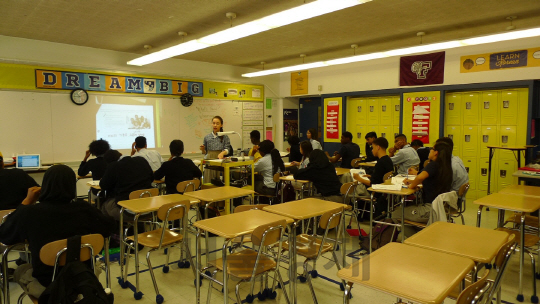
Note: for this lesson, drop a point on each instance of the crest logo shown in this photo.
(421, 68)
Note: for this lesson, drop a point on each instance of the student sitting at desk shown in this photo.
(407, 156)
(323, 175)
(14, 185)
(312, 136)
(270, 164)
(436, 179)
(383, 166)
(294, 151)
(347, 153)
(255, 137)
(57, 216)
(124, 175)
(177, 169)
(370, 137)
(96, 165)
(305, 148)
(138, 149)
(423, 152)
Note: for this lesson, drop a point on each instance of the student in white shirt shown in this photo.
(312, 135)
(138, 149)
(270, 164)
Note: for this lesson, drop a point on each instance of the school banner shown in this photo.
(332, 119)
(421, 116)
(299, 83)
(502, 60)
(422, 69)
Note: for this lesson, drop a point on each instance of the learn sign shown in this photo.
(501, 60)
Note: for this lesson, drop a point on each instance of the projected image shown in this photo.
(120, 124)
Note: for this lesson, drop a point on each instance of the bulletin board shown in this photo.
(422, 116)
(333, 119)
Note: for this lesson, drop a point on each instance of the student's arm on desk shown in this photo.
(417, 181)
(303, 174)
(364, 181)
(335, 158)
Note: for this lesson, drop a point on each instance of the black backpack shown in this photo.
(289, 194)
(76, 282)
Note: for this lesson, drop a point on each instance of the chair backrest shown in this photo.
(188, 186)
(474, 293)
(243, 208)
(49, 252)
(4, 214)
(346, 188)
(173, 211)
(277, 176)
(356, 161)
(144, 193)
(501, 261)
(462, 192)
(268, 234)
(331, 219)
(388, 176)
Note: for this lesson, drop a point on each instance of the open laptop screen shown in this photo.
(28, 161)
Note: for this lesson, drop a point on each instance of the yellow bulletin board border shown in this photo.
(299, 83)
(524, 58)
(340, 119)
(434, 99)
(23, 77)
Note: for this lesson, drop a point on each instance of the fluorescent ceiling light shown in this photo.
(293, 15)
(534, 32)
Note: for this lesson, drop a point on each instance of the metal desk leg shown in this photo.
(198, 266)
(538, 252)
(292, 262)
(107, 263)
(402, 219)
(225, 275)
(491, 152)
(370, 222)
(479, 216)
(521, 257)
(346, 293)
(227, 182)
(136, 246)
(122, 249)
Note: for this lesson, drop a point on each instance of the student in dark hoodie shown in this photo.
(177, 169)
(96, 165)
(323, 175)
(57, 216)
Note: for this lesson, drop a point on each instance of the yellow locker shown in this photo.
(489, 107)
(373, 129)
(373, 112)
(396, 111)
(396, 132)
(504, 174)
(471, 196)
(507, 138)
(482, 171)
(385, 107)
(452, 109)
(470, 141)
(470, 108)
(488, 137)
(386, 132)
(361, 111)
(509, 108)
(471, 166)
(454, 132)
(351, 114)
(361, 132)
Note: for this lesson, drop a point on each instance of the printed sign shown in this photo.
(420, 121)
(502, 60)
(290, 123)
(299, 83)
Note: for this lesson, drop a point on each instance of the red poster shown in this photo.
(420, 121)
(332, 120)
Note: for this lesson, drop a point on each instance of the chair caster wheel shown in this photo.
(534, 299)
(349, 227)
(208, 273)
(137, 295)
(278, 285)
(195, 282)
(250, 298)
(302, 279)
(261, 296)
(488, 266)
(187, 264)
(159, 299)
(314, 274)
(341, 286)
(166, 250)
(520, 298)
(538, 276)
(272, 295)
(181, 264)
(123, 284)
(165, 269)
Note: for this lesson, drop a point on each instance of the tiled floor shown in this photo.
(177, 285)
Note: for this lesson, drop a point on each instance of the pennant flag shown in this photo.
(422, 69)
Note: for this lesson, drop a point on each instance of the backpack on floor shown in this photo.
(289, 194)
(76, 282)
(382, 235)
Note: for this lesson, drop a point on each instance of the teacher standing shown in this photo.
(215, 146)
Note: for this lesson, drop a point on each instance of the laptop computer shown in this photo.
(29, 161)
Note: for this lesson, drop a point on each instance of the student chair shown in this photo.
(348, 192)
(239, 241)
(54, 254)
(355, 163)
(188, 186)
(312, 247)
(164, 237)
(275, 196)
(248, 264)
(144, 193)
(455, 213)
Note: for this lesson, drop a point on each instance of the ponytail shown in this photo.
(277, 162)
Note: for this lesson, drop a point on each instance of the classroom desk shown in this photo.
(302, 210)
(139, 206)
(523, 176)
(492, 152)
(512, 202)
(227, 165)
(229, 226)
(478, 244)
(342, 171)
(404, 192)
(522, 190)
(220, 194)
(408, 272)
(368, 164)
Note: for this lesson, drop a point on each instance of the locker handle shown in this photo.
(502, 173)
(371, 108)
(383, 108)
(485, 138)
(486, 104)
(504, 139)
(484, 171)
(359, 109)
(450, 106)
(506, 104)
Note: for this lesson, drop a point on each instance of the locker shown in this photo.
(396, 111)
(387, 132)
(507, 138)
(454, 132)
(453, 109)
(385, 110)
(482, 171)
(470, 141)
(360, 135)
(504, 174)
(470, 108)
(351, 114)
(509, 108)
(471, 164)
(471, 196)
(396, 131)
(489, 107)
(373, 112)
(488, 137)
(361, 111)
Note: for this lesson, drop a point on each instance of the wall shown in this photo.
(384, 73)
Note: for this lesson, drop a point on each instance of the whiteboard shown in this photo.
(51, 125)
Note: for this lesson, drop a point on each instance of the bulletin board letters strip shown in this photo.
(501, 60)
(47, 79)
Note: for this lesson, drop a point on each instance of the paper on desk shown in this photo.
(283, 154)
(393, 187)
(359, 171)
(289, 177)
(93, 183)
(287, 164)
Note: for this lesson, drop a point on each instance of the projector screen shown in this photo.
(120, 124)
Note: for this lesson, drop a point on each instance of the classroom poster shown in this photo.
(501, 60)
(290, 123)
(332, 119)
(422, 116)
(299, 83)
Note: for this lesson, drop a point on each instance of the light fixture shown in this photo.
(511, 26)
(534, 32)
(293, 15)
